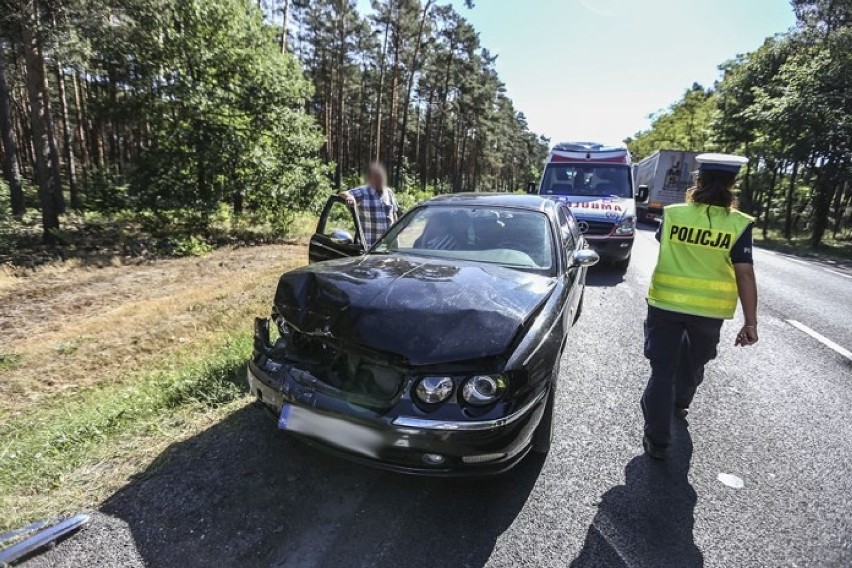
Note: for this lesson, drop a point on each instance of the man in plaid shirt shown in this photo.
(376, 204)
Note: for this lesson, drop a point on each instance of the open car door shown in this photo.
(338, 233)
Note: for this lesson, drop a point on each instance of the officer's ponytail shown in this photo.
(713, 188)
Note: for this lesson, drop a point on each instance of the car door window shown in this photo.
(340, 224)
(568, 228)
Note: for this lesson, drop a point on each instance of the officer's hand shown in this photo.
(747, 336)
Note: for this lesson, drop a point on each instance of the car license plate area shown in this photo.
(331, 430)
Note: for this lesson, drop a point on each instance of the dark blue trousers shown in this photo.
(678, 346)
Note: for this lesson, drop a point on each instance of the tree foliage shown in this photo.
(683, 126)
(410, 85)
(177, 110)
(788, 107)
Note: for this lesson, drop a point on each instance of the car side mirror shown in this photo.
(342, 237)
(642, 193)
(531, 188)
(585, 257)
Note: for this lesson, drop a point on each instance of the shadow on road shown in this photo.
(649, 520)
(244, 494)
(604, 275)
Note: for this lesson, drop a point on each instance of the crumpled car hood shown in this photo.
(428, 311)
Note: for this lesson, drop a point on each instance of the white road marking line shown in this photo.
(804, 263)
(821, 338)
(838, 273)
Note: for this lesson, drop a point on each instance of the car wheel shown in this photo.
(543, 435)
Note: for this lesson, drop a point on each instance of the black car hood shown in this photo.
(427, 311)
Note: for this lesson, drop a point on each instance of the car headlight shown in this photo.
(626, 227)
(480, 390)
(433, 390)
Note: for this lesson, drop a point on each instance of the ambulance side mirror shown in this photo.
(642, 194)
(531, 188)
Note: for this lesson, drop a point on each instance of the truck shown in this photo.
(666, 174)
(595, 182)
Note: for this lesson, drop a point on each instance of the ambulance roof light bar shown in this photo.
(586, 147)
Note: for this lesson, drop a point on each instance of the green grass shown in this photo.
(9, 361)
(836, 250)
(41, 452)
(98, 238)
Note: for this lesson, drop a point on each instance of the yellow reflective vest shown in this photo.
(694, 273)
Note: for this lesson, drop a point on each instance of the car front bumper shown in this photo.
(611, 248)
(398, 443)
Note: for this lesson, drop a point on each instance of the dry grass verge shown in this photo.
(100, 369)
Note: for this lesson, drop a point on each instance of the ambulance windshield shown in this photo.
(591, 180)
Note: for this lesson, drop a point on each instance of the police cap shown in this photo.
(720, 163)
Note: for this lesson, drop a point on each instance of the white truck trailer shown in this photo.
(667, 174)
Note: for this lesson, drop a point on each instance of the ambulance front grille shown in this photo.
(597, 228)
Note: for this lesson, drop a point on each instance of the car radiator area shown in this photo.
(327, 365)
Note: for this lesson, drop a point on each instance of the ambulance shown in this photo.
(596, 182)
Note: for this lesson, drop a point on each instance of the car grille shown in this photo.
(369, 378)
(597, 228)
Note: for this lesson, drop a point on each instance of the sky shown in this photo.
(595, 69)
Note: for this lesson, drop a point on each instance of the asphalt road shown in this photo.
(776, 416)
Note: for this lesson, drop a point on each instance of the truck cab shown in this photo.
(596, 183)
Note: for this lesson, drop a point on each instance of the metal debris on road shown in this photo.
(44, 537)
(731, 480)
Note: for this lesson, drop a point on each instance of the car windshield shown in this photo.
(498, 235)
(587, 180)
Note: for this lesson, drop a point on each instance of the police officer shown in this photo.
(704, 264)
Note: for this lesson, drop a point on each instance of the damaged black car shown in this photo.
(437, 350)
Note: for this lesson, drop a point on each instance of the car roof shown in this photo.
(532, 202)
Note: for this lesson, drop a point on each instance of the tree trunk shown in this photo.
(408, 89)
(394, 96)
(67, 140)
(823, 191)
(769, 194)
(81, 131)
(23, 134)
(50, 130)
(35, 82)
(378, 140)
(341, 89)
(427, 142)
(847, 208)
(286, 17)
(362, 112)
(746, 201)
(788, 205)
(838, 211)
(11, 170)
(448, 70)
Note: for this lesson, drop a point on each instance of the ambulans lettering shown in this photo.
(708, 238)
(602, 205)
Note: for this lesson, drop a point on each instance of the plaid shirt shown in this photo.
(376, 211)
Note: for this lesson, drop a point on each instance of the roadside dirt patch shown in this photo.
(63, 328)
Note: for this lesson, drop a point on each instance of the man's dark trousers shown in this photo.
(678, 346)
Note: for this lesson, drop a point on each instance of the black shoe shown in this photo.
(654, 451)
(681, 413)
